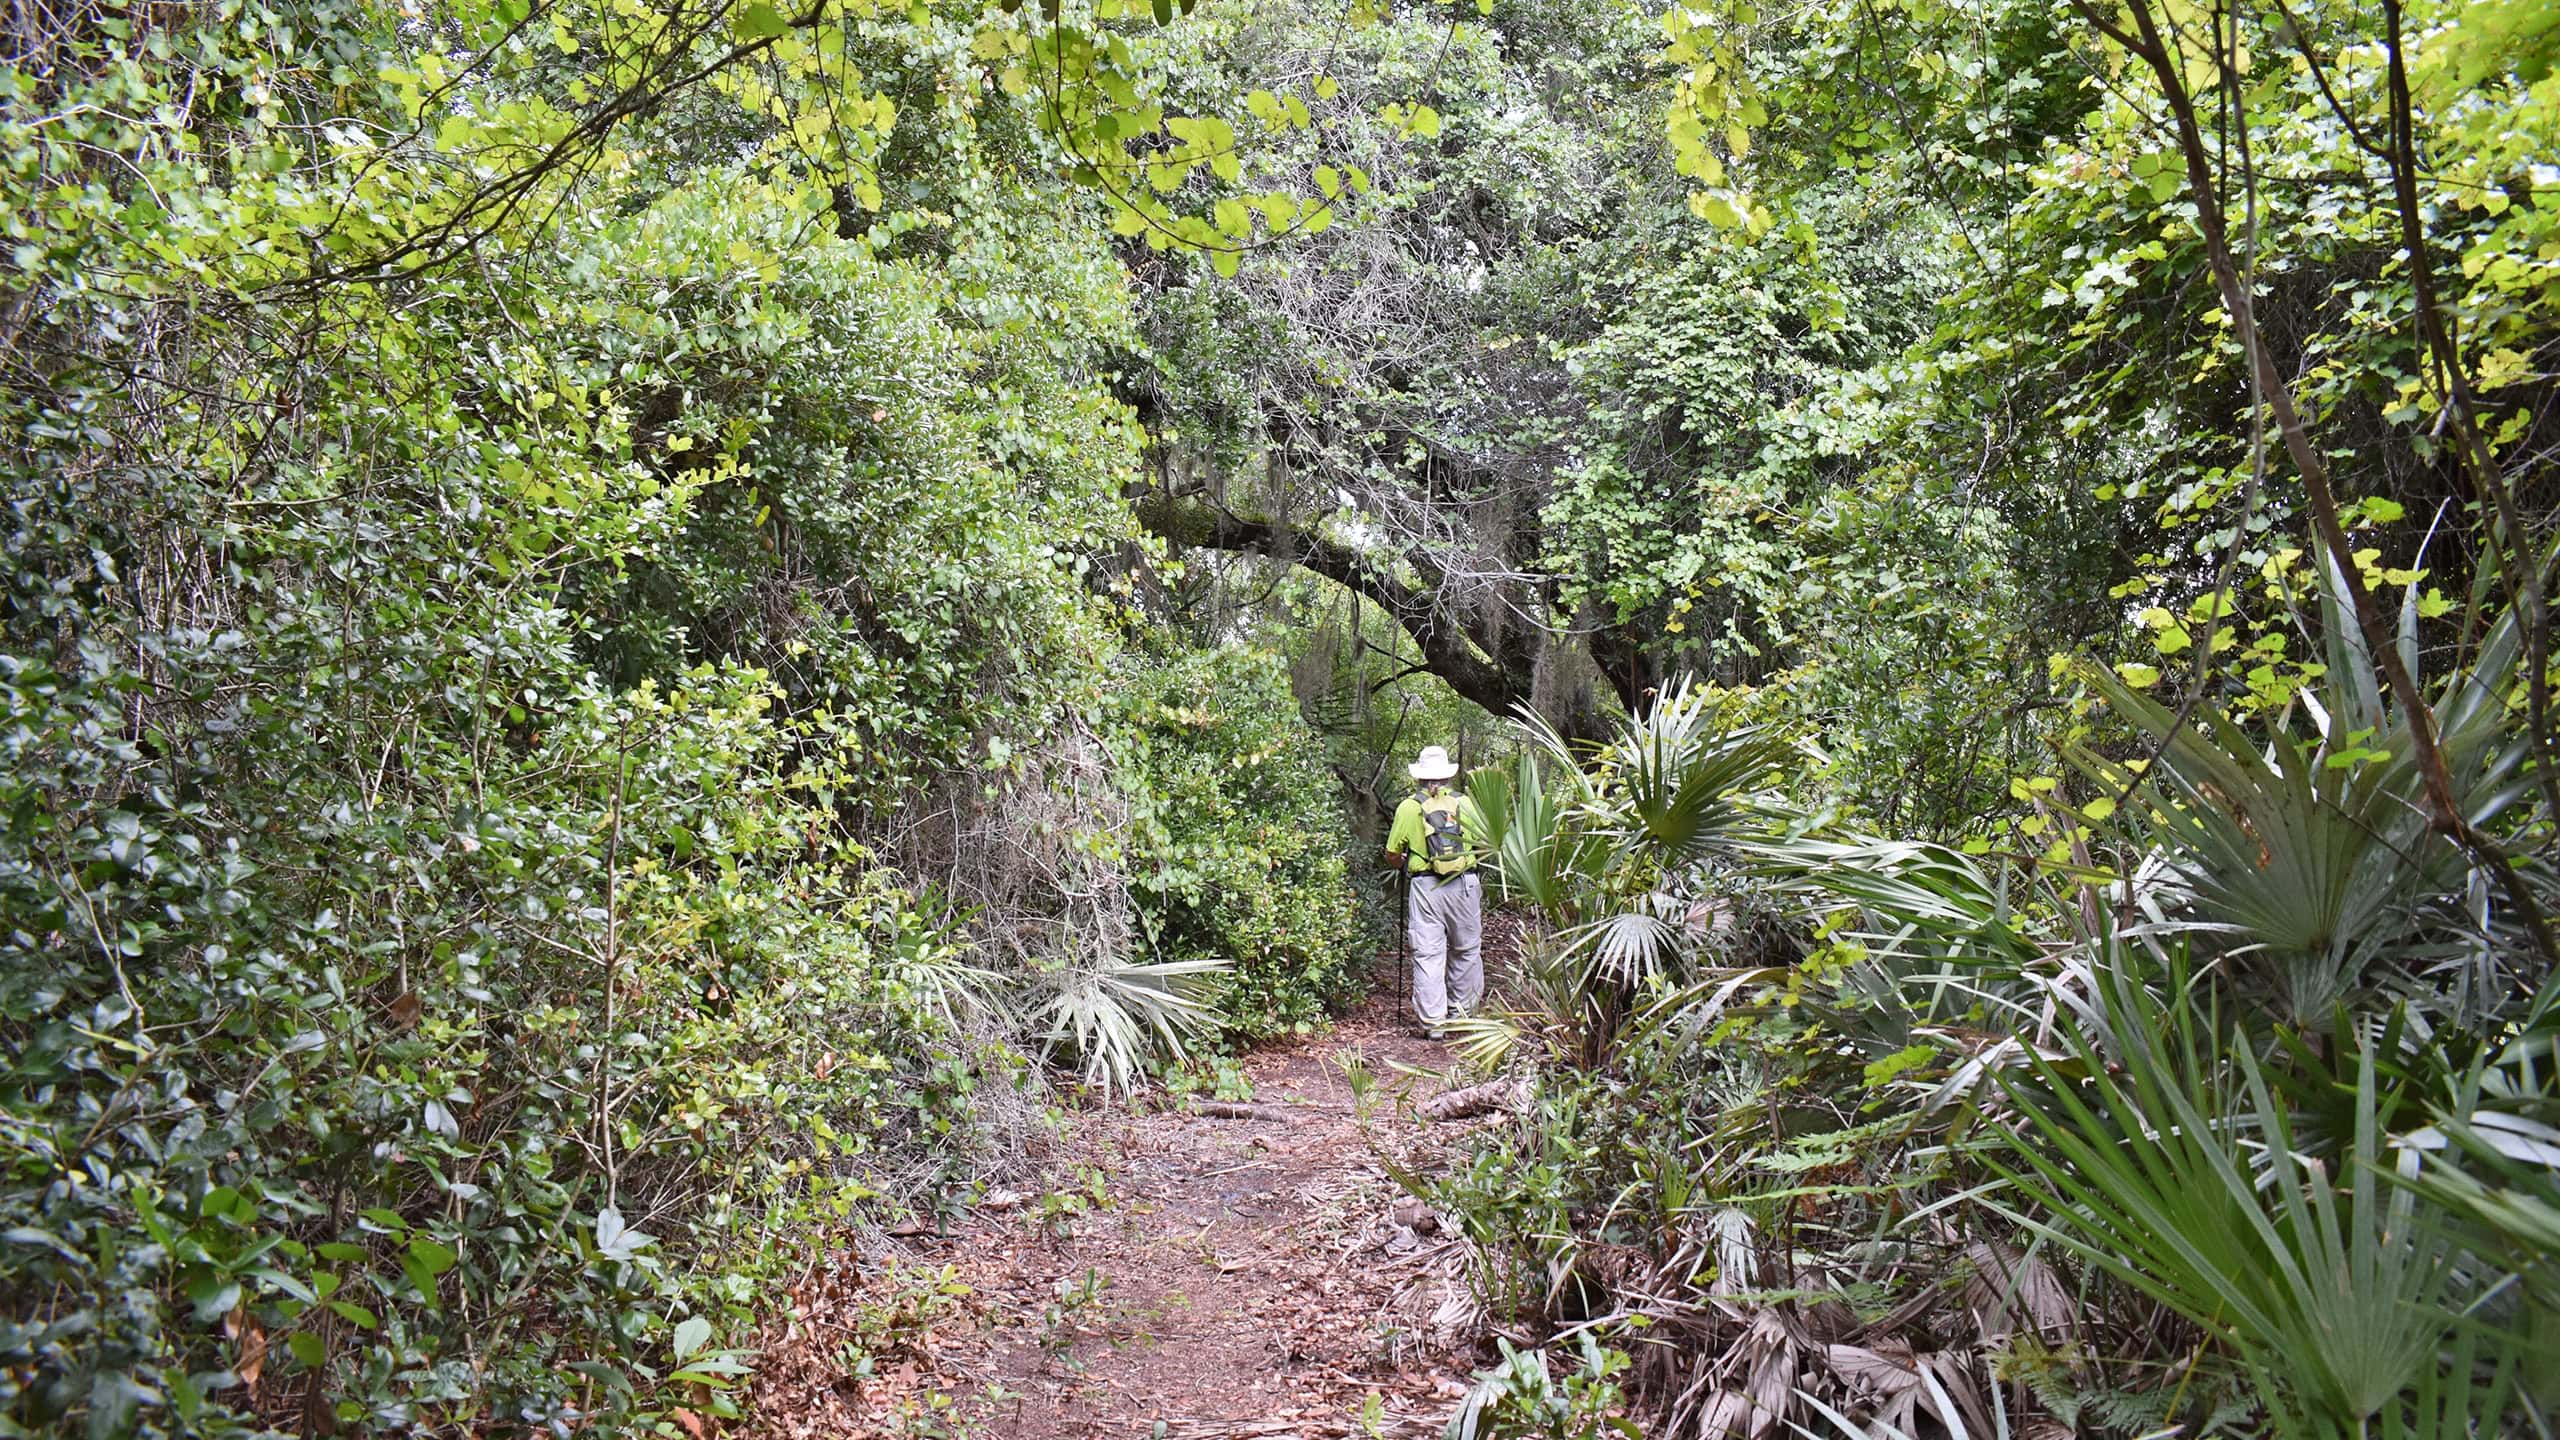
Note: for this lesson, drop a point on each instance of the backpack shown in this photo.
(1444, 840)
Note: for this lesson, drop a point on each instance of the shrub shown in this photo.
(450, 1097)
(403, 1025)
(1235, 836)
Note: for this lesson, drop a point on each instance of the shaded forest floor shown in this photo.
(1188, 1274)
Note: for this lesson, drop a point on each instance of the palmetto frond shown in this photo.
(1613, 846)
(931, 958)
(1110, 1017)
(1534, 857)
(1680, 773)
(2177, 1172)
(1628, 947)
(2315, 854)
(1921, 901)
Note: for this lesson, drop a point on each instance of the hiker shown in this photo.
(1443, 898)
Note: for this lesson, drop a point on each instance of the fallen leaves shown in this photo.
(251, 1360)
(1243, 1285)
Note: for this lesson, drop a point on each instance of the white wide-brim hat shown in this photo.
(1435, 764)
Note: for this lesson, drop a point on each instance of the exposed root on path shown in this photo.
(1238, 1278)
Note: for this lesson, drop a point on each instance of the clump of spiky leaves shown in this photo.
(1534, 859)
(2313, 859)
(1615, 848)
(1111, 1017)
(2162, 1061)
(2490, 1162)
(2168, 1161)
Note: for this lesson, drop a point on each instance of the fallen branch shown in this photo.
(1229, 1110)
(1512, 1095)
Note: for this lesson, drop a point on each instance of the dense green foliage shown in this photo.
(2049, 437)
(487, 677)
(1812, 1101)
(624, 624)
(1241, 835)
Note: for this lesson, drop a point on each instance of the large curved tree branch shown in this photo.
(1496, 677)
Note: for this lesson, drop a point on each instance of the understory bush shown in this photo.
(483, 1095)
(1236, 836)
(406, 1027)
(459, 728)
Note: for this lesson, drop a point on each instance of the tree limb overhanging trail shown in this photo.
(1401, 448)
(1489, 653)
(1495, 672)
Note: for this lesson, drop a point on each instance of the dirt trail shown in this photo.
(1240, 1277)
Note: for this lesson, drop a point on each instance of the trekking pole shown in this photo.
(1404, 934)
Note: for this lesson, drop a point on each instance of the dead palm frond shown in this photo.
(1111, 1017)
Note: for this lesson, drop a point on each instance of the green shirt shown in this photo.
(1405, 838)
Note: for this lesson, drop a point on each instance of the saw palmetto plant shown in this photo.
(2161, 1067)
(1110, 1018)
(2311, 856)
(1613, 849)
(2171, 1165)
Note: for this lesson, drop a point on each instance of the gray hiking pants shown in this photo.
(1444, 920)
